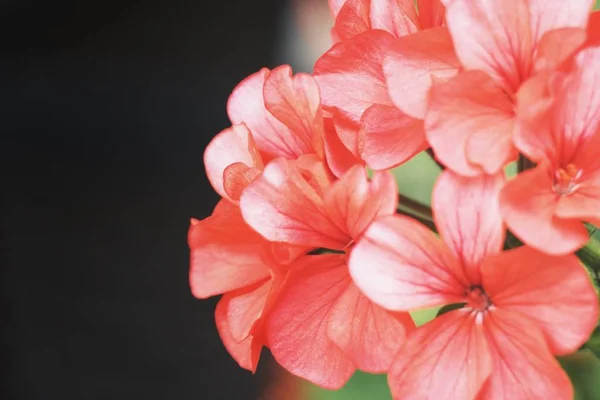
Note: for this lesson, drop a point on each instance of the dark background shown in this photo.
(106, 107)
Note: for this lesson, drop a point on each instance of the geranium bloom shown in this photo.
(520, 307)
(470, 120)
(321, 327)
(544, 206)
(352, 81)
(274, 115)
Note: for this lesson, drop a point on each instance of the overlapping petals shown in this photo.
(478, 347)
(506, 46)
(333, 327)
(561, 132)
(313, 255)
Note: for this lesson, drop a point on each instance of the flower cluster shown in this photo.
(308, 248)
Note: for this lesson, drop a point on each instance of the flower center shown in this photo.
(566, 179)
(477, 299)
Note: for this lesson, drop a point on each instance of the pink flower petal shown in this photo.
(297, 324)
(401, 265)
(350, 74)
(285, 205)
(245, 353)
(247, 105)
(339, 157)
(528, 204)
(295, 101)
(398, 17)
(584, 203)
(354, 202)
(446, 358)
(557, 46)
(389, 137)
(470, 124)
(556, 293)
(220, 260)
(523, 366)
(431, 13)
(412, 63)
(467, 216)
(368, 334)
(593, 29)
(245, 307)
(232, 146)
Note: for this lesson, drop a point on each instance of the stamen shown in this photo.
(477, 299)
(566, 179)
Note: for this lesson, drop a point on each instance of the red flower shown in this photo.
(321, 327)
(470, 120)
(274, 115)
(520, 306)
(560, 132)
(353, 84)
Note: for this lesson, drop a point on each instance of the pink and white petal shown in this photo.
(388, 137)
(295, 102)
(350, 74)
(233, 145)
(445, 359)
(547, 15)
(247, 352)
(297, 324)
(431, 13)
(400, 265)
(469, 124)
(523, 368)
(528, 204)
(353, 202)
(225, 253)
(467, 215)
(285, 205)
(245, 307)
(411, 64)
(246, 105)
(492, 39)
(339, 158)
(577, 105)
(557, 46)
(398, 17)
(555, 293)
(368, 334)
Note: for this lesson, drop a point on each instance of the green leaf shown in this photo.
(583, 368)
(597, 6)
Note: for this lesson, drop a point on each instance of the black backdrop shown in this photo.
(106, 107)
